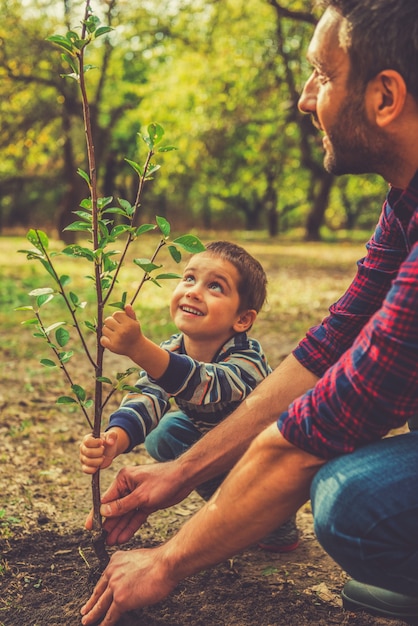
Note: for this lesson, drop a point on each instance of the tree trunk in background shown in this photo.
(320, 203)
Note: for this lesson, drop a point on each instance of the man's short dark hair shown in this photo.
(381, 35)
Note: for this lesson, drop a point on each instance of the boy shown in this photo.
(209, 367)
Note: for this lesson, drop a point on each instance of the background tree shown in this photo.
(223, 78)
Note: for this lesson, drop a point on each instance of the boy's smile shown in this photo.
(205, 304)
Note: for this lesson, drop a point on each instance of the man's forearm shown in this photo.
(219, 450)
(268, 485)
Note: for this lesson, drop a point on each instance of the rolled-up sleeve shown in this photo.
(373, 387)
(324, 344)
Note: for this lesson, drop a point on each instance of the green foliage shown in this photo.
(226, 77)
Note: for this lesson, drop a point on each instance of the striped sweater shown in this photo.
(205, 392)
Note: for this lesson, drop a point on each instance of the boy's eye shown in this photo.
(189, 279)
(216, 287)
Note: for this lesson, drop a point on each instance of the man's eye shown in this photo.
(320, 77)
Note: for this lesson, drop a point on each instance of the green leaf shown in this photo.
(41, 291)
(119, 230)
(73, 76)
(65, 280)
(168, 276)
(104, 379)
(166, 149)
(87, 217)
(104, 202)
(62, 336)
(128, 372)
(68, 59)
(175, 254)
(190, 243)
(163, 225)
(102, 31)
(156, 133)
(126, 206)
(72, 37)
(48, 363)
(74, 298)
(25, 308)
(65, 400)
(151, 170)
(44, 299)
(60, 41)
(66, 356)
(47, 265)
(30, 322)
(92, 23)
(84, 175)
(86, 204)
(90, 326)
(135, 166)
(79, 226)
(79, 251)
(49, 329)
(146, 265)
(144, 228)
(79, 392)
(38, 238)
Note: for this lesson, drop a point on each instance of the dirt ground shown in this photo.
(47, 560)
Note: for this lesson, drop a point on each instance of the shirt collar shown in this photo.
(405, 201)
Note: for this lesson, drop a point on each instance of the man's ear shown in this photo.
(245, 321)
(386, 96)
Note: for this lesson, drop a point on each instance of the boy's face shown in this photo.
(205, 304)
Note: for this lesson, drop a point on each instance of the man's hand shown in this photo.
(137, 492)
(118, 590)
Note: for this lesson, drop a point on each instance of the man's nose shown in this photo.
(307, 100)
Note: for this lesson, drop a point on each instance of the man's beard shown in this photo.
(354, 146)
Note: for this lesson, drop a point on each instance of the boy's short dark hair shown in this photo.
(252, 287)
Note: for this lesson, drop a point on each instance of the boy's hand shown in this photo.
(121, 332)
(98, 452)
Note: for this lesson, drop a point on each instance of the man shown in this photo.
(351, 380)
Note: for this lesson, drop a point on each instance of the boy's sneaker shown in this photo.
(283, 539)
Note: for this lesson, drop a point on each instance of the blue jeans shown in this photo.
(365, 507)
(175, 434)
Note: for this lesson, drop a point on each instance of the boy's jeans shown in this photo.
(175, 434)
(365, 507)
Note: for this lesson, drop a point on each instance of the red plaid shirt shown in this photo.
(366, 350)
